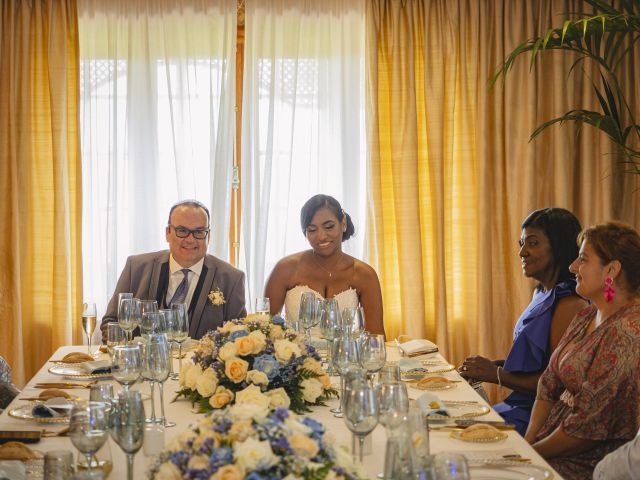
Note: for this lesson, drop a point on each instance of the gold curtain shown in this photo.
(452, 172)
(40, 179)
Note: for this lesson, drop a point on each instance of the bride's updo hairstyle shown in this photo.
(319, 201)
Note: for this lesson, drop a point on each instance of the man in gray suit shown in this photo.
(213, 289)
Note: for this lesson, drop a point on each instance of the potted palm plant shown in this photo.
(607, 36)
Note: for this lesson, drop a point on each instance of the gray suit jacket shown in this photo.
(147, 277)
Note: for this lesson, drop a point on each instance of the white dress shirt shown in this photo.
(176, 276)
(621, 464)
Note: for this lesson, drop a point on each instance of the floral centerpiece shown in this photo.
(253, 442)
(255, 355)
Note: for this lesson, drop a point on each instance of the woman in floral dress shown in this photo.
(587, 401)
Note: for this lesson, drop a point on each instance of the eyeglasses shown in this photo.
(182, 232)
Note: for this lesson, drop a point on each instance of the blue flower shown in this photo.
(277, 320)
(221, 456)
(314, 425)
(238, 334)
(255, 476)
(281, 413)
(268, 365)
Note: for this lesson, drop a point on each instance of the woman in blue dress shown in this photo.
(548, 245)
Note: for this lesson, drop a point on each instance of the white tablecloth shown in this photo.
(181, 413)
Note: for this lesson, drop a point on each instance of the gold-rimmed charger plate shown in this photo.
(76, 374)
(23, 412)
(496, 437)
(491, 470)
(461, 410)
(415, 375)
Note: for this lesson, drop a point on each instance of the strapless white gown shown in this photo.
(346, 298)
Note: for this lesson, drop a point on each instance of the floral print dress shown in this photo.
(593, 378)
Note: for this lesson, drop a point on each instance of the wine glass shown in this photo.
(127, 316)
(329, 323)
(373, 353)
(263, 306)
(89, 428)
(353, 320)
(419, 431)
(307, 314)
(181, 331)
(89, 315)
(361, 411)
(393, 400)
(389, 373)
(344, 357)
(126, 365)
(159, 360)
(450, 466)
(151, 323)
(115, 336)
(127, 425)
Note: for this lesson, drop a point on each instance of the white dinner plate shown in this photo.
(76, 373)
(510, 470)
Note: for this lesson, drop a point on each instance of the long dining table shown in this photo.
(183, 414)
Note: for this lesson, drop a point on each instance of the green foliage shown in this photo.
(318, 473)
(605, 36)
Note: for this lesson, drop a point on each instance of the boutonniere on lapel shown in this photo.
(216, 297)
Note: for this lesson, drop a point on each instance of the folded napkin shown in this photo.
(418, 347)
(431, 405)
(12, 470)
(411, 369)
(99, 366)
(53, 408)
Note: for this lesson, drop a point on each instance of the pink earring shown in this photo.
(609, 291)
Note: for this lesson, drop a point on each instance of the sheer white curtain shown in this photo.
(157, 125)
(303, 124)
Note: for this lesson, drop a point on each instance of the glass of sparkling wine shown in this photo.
(181, 328)
(89, 321)
(262, 305)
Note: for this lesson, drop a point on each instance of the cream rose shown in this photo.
(236, 369)
(276, 332)
(296, 426)
(192, 376)
(237, 328)
(207, 383)
(252, 394)
(198, 462)
(248, 411)
(325, 381)
(285, 350)
(227, 351)
(204, 436)
(206, 346)
(303, 445)
(313, 366)
(221, 398)
(260, 339)
(278, 398)
(228, 472)
(253, 454)
(311, 389)
(168, 471)
(241, 430)
(245, 345)
(182, 379)
(257, 377)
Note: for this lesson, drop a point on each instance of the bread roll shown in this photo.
(479, 431)
(53, 393)
(77, 357)
(16, 451)
(433, 382)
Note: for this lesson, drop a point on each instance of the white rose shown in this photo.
(207, 383)
(192, 376)
(253, 454)
(248, 411)
(278, 398)
(296, 426)
(276, 332)
(285, 350)
(311, 389)
(237, 328)
(182, 380)
(168, 471)
(227, 351)
(257, 377)
(252, 394)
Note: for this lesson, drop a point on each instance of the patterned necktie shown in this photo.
(181, 292)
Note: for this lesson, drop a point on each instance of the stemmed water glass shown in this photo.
(127, 314)
(115, 336)
(159, 360)
(89, 315)
(361, 411)
(344, 356)
(450, 466)
(89, 428)
(307, 314)
(393, 401)
(180, 331)
(353, 320)
(329, 324)
(151, 323)
(373, 353)
(127, 425)
(126, 365)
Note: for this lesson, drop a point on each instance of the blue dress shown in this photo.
(530, 351)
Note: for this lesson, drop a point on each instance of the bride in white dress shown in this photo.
(325, 269)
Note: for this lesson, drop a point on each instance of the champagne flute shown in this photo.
(167, 328)
(329, 323)
(307, 313)
(89, 315)
(373, 353)
(181, 332)
(263, 306)
(361, 411)
(115, 336)
(127, 316)
(127, 425)
(126, 365)
(159, 361)
(147, 376)
(89, 428)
